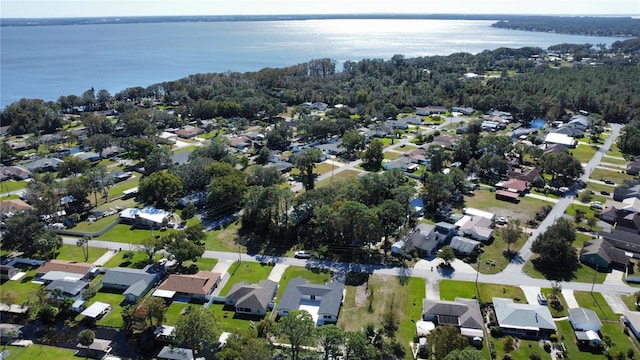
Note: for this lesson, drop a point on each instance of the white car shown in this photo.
(302, 255)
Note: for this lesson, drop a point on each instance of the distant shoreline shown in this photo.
(223, 18)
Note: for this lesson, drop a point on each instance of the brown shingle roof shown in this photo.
(201, 283)
(65, 266)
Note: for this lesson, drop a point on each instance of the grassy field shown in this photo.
(596, 302)
(486, 200)
(250, 272)
(615, 151)
(391, 155)
(173, 313)
(617, 177)
(74, 253)
(402, 295)
(138, 261)
(19, 291)
(492, 260)
(342, 175)
(40, 352)
(582, 274)
(124, 233)
(450, 289)
(584, 153)
(113, 319)
(12, 185)
(223, 239)
(118, 188)
(203, 264)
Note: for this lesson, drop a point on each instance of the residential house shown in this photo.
(188, 132)
(446, 141)
(480, 213)
(631, 168)
(134, 283)
(632, 321)
(398, 124)
(601, 254)
(463, 246)
(282, 166)
(321, 301)
(7, 272)
(429, 110)
(445, 231)
(8, 208)
(424, 238)
(630, 188)
(569, 131)
(463, 314)
(198, 286)
(382, 130)
(98, 349)
(463, 110)
(68, 289)
(586, 326)
(332, 148)
(55, 138)
(175, 353)
(502, 114)
(61, 269)
(623, 240)
(43, 165)
(111, 151)
(148, 216)
(580, 122)
(561, 139)
(88, 156)
(476, 227)
(180, 158)
(517, 186)
(252, 299)
(240, 142)
(553, 148)
(523, 320)
(14, 172)
(526, 175)
(402, 163)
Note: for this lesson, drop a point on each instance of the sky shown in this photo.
(104, 8)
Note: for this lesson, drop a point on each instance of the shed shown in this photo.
(96, 310)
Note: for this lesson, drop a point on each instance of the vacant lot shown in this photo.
(250, 272)
(450, 289)
(486, 200)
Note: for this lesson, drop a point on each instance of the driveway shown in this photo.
(277, 272)
(569, 298)
(531, 293)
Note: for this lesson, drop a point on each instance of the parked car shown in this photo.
(609, 182)
(605, 193)
(301, 254)
(542, 300)
(503, 220)
(596, 205)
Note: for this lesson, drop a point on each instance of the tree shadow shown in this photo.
(554, 271)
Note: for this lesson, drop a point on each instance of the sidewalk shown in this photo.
(222, 268)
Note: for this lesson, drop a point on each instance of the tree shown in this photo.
(181, 247)
(263, 156)
(86, 337)
(47, 243)
(153, 308)
(445, 339)
(160, 188)
(266, 210)
(436, 190)
(99, 142)
(447, 255)
(73, 165)
(226, 190)
(158, 159)
(83, 243)
(97, 180)
(189, 211)
(555, 247)
(331, 339)
(437, 157)
(467, 353)
(392, 215)
(246, 347)
(193, 174)
(306, 161)
(357, 347)
(462, 151)
(21, 232)
(197, 329)
(374, 155)
(263, 175)
(150, 246)
(510, 234)
(352, 140)
(78, 187)
(298, 328)
(562, 164)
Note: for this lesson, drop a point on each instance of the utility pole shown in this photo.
(593, 283)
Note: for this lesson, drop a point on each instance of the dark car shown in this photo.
(609, 182)
(605, 193)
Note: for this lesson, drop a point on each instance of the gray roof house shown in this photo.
(523, 320)
(321, 301)
(135, 283)
(424, 238)
(252, 299)
(584, 319)
(461, 313)
(462, 245)
(69, 289)
(45, 164)
(603, 255)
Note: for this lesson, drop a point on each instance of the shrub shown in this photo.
(534, 357)
(553, 337)
(547, 347)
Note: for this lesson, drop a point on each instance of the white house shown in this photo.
(584, 319)
(562, 139)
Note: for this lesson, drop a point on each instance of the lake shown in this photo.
(48, 61)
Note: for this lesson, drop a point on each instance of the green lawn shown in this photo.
(123, 233)
(596, 302)
(403, 295)
(95, 226)
(292, 272)
(450, 289)
(250, 272)
(615, 151)
(486, 200)
(324, 168)
(19, 291)
(584, 153)
(74, 253)
(612, 330)
(492, 260)
(114, 318)
(223, 239)
(526, 349)
(118, 188)
(556, 312)
(391, 155)
(40, 352)
(617, 177)
(596, 188)
(173, 313)
(630, 301)
(138, 261)
(204, 264)
(342, 175)
(614, 161)
(582, 274)
(12, 185)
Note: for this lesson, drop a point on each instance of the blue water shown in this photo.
(48, 61)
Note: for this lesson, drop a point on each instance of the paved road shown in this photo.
(560, 207)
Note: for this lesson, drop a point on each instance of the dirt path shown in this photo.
(361, 295)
